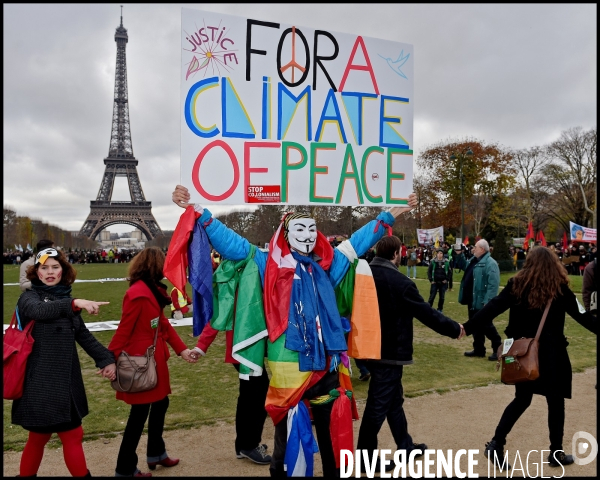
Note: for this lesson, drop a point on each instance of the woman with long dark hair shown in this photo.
(542, 278)
(142, 313)
(54, 399)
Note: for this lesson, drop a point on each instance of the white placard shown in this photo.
(274, 112)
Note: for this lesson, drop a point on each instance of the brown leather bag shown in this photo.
(136, 373)
(521, 362)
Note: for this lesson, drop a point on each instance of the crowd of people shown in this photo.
(285, 305)
(121, 255)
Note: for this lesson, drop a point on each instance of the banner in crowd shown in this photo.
(279, 113)
(431, 236)
(582, 234)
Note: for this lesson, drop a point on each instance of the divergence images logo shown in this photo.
(212, 51)
(588, 446)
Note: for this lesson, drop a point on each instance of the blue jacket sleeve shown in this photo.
(361, 240)
(229, 244)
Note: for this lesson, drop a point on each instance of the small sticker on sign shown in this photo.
(507, 344)
(263, 194)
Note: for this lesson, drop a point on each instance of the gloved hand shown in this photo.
(178, 315)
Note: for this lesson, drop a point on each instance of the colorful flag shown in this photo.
(466, 241)
(279, 275)
(540, 238)
(529, 238)
(565, 241)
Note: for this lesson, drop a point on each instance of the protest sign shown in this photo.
(582, 234)
(279, 113)
(430, 236)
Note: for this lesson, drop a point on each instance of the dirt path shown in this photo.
(457, 420)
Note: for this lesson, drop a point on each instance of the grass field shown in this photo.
(207, 391)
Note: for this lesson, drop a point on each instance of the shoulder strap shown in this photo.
(156, 333)
(539, 331)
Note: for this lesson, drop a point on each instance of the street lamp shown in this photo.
(461, 157)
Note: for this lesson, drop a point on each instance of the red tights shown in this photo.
(72, 441)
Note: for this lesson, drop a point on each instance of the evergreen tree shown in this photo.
(501, 253)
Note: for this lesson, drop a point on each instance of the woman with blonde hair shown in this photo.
(542, 278)
(143, 312)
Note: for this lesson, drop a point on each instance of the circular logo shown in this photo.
(585, 448)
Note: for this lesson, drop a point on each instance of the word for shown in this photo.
(317, 60)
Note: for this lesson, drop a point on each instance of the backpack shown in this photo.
(413, 256)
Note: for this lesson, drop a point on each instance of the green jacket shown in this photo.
(486, 281)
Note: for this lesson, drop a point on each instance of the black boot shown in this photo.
(558, 458)
(495, 453)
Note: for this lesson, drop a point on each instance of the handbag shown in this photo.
(136, 373)
(18, 344)
(521, 362)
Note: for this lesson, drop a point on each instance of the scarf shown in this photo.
(159, 290)
(279, 276)
(57, 291)
(314, 326)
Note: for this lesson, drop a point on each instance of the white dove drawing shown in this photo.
(395, 65)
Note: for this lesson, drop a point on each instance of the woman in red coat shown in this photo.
(143, 312)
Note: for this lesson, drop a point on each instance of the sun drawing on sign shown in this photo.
(208, 57)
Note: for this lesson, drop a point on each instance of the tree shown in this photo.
(489, 176)
(501, 253)
(575, 151)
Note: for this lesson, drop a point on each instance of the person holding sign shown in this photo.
(306, 338)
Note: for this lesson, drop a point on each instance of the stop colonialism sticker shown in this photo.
(263, 194)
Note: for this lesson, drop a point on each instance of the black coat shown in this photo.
(53, 375)
(555, 366)
(399, 302)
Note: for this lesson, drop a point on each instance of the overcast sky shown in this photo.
(516, 75)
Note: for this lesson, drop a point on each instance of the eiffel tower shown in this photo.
(120, 163)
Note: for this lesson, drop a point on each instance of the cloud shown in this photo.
(513, 74)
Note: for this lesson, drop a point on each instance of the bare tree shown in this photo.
(576, 150)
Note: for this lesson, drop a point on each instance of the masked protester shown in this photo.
(287, 294)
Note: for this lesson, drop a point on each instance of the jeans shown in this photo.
(414, 267)
(435, 288)
(516, 408)
(156, 451)
(384, 401)
(250, 414)
(479, 337)
(362, 367)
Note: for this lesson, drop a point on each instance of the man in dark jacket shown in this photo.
(438, 275)
(399, 301)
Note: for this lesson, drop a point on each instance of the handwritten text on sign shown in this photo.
(280, 113)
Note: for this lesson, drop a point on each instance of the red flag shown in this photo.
(565, 241)
(176, 262)
(540, 238)
(530, 237)
(466, 240)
